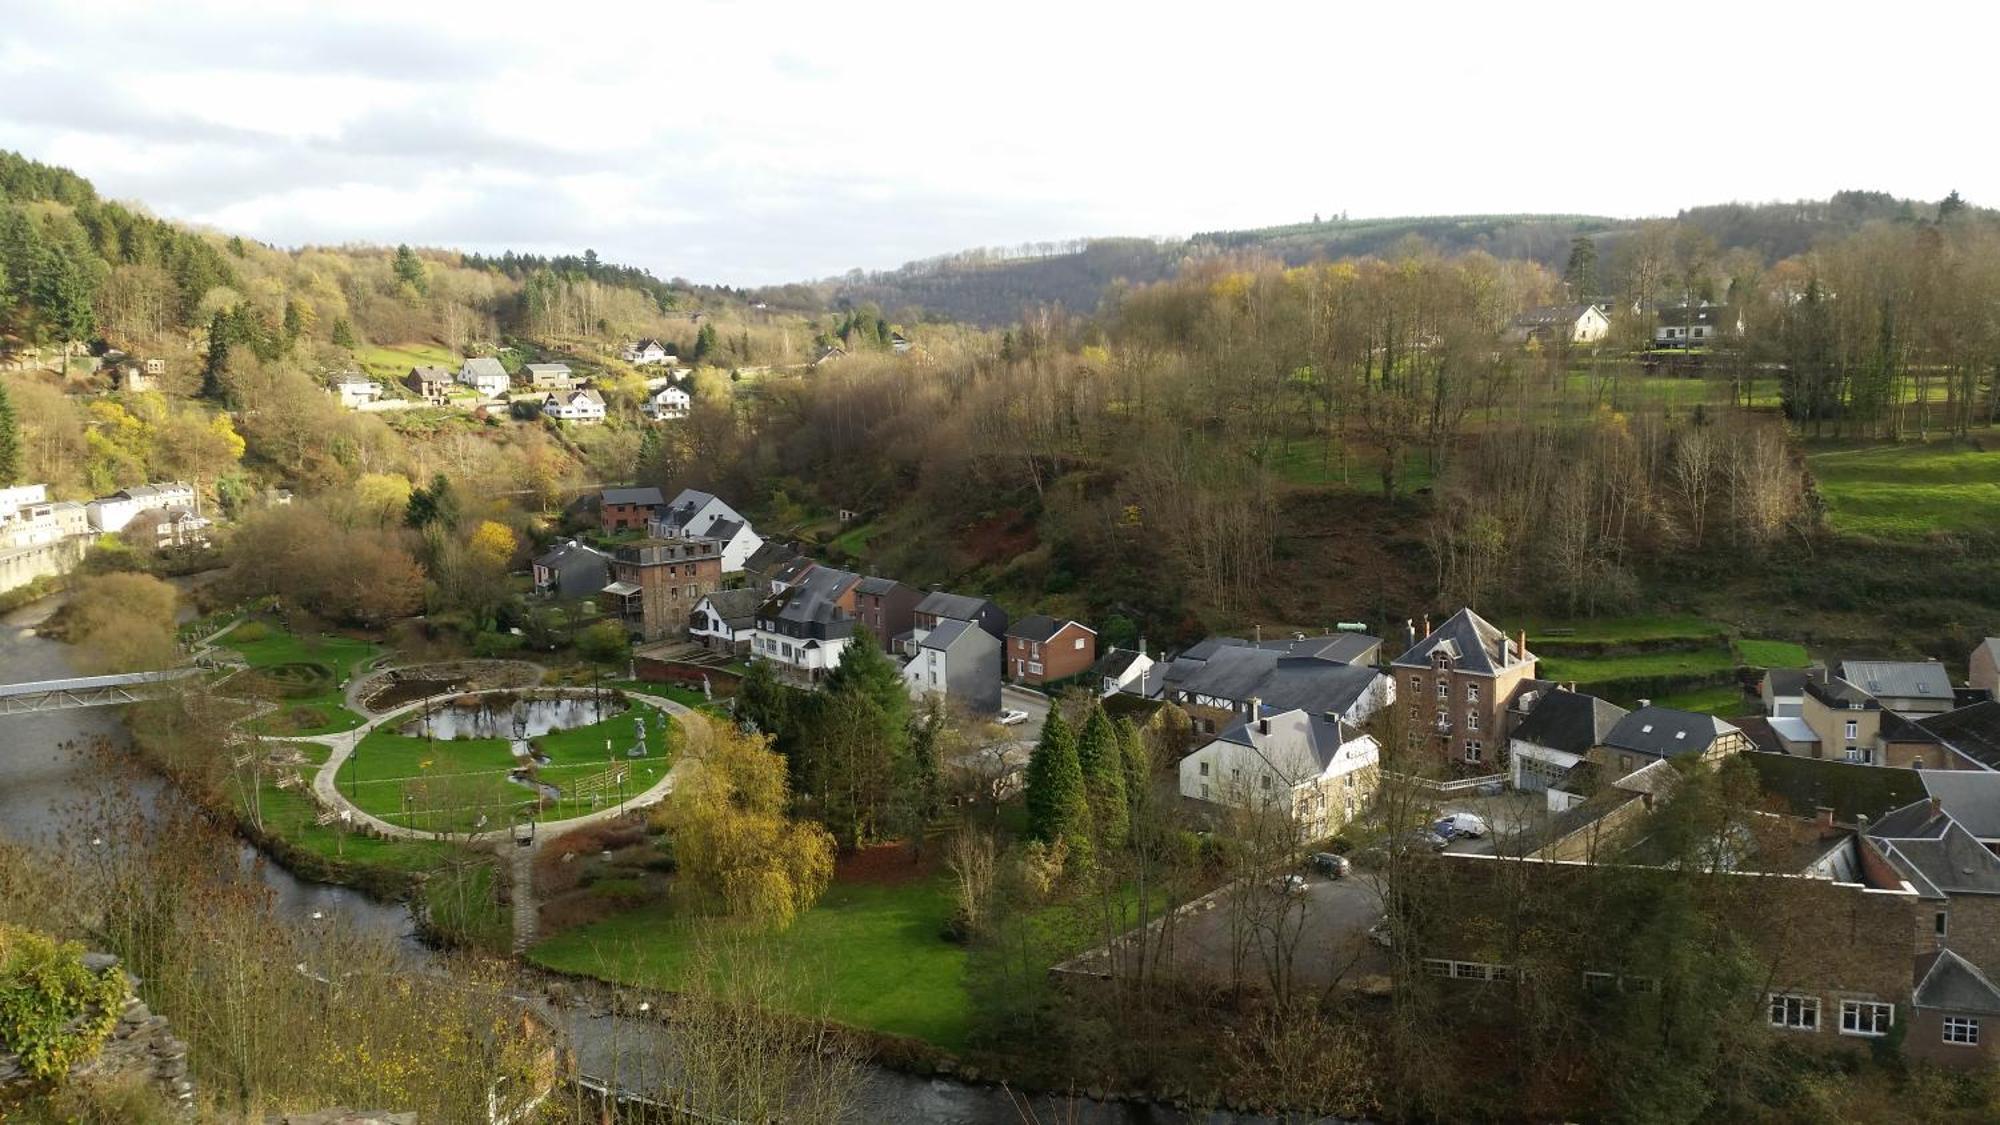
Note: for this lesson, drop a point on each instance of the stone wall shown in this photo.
(141, 1048)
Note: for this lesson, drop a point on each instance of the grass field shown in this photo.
(1726, 700)
(1613, 630)
(1306, 461)
(1772, 654)
(1585, 671)
(289, 813)
(867, 955)
(854, 541)
(393, 361)
(278, 653)
(447, 786)
(1909, 491)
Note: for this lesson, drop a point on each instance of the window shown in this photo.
(1035, 650)
(1204, 769)
(1625, 762)
(1474, 750)
(1079, 644)
(1466, 970)
(1204, 790)
(1937, 925)
(1472, 693)
(1961, 1030)
(1866, 1017)
(1265, 780)
(1853, 730)
(1472, 720)
(1799, 1013)
(1598, 982)
(1414, 715)
(1236, 777)
(1444, 689)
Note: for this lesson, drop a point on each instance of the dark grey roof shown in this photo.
(1972, 797)
(946, 634)
(1344, 648)
(567, 553)
(1034, 627)
(641, 496)
(1900, 679)
(1972, 731)
(736, 606)
(808, 603)
(428, 374)
(829, 582)
(1935, 852)
(770, 556)
(956, 607)
(722, 531)
(1895, 728)
(878, 586)
(1681, 316)
(1666, 732)
(794, 569)
(1569, 721)
(1786, 682)
(1948, 982)
(1296, 742)
(1837, 693)
(1114, 663)
(483, 365)
(1474, 643)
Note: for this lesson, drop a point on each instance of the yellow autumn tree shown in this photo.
(492, 544)
(734, 847)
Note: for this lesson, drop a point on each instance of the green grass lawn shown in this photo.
(393, 361)
(1911, 490)
(1612, 630)
(291, 815)
(447, 785)
(1772, 654)
(1307, 461)
(1725, 700)
(866, 955)
(279, 654)
(854, 541)
(1585, 671)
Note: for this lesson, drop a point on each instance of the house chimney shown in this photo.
(1427, 624)
(1257, 633)
(1824, 816)
(1523, 650)
(1937, 806)
(1142, 644)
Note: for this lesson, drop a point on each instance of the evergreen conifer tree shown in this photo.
(1058, 808)
(1102, 760)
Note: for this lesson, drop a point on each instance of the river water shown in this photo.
(45, 771)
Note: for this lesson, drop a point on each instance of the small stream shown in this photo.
(46, 772)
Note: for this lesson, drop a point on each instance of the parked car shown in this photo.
(1330, 865)
(1012, 718)
(1289, 885)
(1472, 826)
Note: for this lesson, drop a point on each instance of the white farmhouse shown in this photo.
(1317, 769)
(650, 353)
(484, 374)
(703, 515)
(355, 390)
(111, 513)
(581, 406)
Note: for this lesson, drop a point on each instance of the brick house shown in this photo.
(628, 509)
(1041, 649)
(1457, 682)
(656, 583)
(887, 609)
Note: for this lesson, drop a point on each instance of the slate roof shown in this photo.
(1934, 852)
(1345, 648)
(1569, 721)
(1838, 693)
(1681, 316)
(1948, 982)
(1972, 731)
(1665, 732)
(1900, 679)
(723, 530)
(954, 607)
(1298, 744)
(794, 570)
(946, 633)
(1895, 728)
(1972, 797)
(870, 584)
(482, 365)
(550, 369)
(569, 553)
(736, 606)
(1786, 682)
(1114, 663)
(1040, 627)
(768, 558)
(1476, 645)
(428, 374)
(641, 496)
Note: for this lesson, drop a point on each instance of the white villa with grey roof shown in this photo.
(704, 515)
(485, 375)
(1314, 768)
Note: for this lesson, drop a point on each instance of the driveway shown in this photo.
(1509, 816)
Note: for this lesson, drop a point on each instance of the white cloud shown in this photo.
(779, 140)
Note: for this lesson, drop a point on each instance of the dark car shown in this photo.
(1330, 865)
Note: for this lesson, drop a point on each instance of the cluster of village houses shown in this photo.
(552, 387)
(39, 536)
(1906, 887)
(1689, 324)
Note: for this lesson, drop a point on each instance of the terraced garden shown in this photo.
(1688, 662)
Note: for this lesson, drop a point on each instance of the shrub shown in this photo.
(54, 1012)
(496, 644)
(250, 632)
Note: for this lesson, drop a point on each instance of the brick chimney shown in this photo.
(1823, 816)
(1522, 651)
(1427, 626)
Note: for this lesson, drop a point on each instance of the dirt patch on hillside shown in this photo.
(888, 865)
(1345, 556)
(999, 539)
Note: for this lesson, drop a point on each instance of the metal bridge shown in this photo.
(89, 691)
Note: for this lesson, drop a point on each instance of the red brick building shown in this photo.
(656, 583)
(628, 509)
(1457, 681)
(1041, 649)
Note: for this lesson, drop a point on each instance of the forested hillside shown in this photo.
(994, 286)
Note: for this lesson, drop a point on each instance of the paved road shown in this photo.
(1330, 922)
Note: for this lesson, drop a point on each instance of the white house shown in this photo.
(802, 630)
(582, 406)
(111, 513)
(666, 403)
(1316, 769)
(650, 353)
(1577, 324)
(725, 620)
(355, 391)
(705, 516)
(29, 519)
(1695, 326)
(1126, 670)
(959, 661)
(484, 374)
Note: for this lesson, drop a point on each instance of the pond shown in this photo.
(514, 718)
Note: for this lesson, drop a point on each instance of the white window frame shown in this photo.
(1466, 970)
(1475, 750)
(1853, 729)
(1793, 1011)
(1444, 689)
(1869, 1019)
(1960, 1031)
(1472, 693)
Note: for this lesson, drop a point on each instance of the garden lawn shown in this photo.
(1772, 654)
(1726, 701)
(393, 361)
(1909, 491)
(1715, 660)
(341, 657)
(446, 785)
(866, 954)
(290, 815)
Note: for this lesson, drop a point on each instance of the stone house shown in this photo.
(656, 583)
(627, 509)
(432, 384)
(1457, 682)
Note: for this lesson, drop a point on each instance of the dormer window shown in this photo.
(1441, 660)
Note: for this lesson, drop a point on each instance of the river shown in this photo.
(45, 771)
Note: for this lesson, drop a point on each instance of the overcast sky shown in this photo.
(773, 141)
